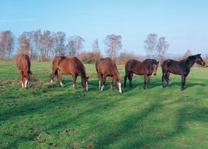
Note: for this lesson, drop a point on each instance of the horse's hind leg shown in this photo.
(59, 78)
(99, 79)
(125, 78)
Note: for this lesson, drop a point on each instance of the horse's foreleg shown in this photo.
(103, 82)
(99, 79)
(111, 83)
(183, 81)
(74, 78)
(145, 81)
(130, 76)
(21, 79)
(167, 78)
(59, 78)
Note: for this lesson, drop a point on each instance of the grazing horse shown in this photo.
(182, 68)
(146, 68)
(62, 65)
(105, 67)
(23, 65)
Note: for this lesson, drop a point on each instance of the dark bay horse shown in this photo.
(23, 65)
(146, 68)
(62, 65)
(105, 67)
(182, 68)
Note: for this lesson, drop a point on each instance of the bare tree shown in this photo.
(161, 48)
(6, 44)
(113, 44)
(150, 44)
(75, 44)
(95, 46)
(24, 45)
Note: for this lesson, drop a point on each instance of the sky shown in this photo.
(184, 23)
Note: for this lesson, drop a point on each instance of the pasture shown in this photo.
(46, 116)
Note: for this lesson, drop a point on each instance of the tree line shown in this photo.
(44, 45)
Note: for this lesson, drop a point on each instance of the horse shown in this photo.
(62, 65)
(182, 68)
(145, 68)
(23, 65)
(105, 67)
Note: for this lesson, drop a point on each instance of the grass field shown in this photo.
(46, 116)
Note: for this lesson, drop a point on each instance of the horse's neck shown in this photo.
(115, 74)
(189, 62)
(83, 75)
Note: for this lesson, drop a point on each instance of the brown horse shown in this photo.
(105, 67)
(23, 65)
(182, 68)
(146, 68)
(62, 65)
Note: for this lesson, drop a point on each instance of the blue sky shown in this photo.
(183, 22)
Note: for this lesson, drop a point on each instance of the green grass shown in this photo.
(65, 118)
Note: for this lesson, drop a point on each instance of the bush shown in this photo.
(89, 57)
(124, 57)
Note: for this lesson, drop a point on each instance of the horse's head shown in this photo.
(118, 85)
(199, 60)
(155, 66)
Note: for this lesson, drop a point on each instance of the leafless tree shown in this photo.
(150, 44)
(113, 44)
(24, 45)
(75, 44)
(6, 44)
(161, 48)
(95, 46)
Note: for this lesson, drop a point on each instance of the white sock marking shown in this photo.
(86, 86)
(102, 87)
(61, 84)
(119, 87)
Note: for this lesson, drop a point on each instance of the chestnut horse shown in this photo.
(146, 68)
(23, 65)
(105, 67)
(182, 68)
(62, 65)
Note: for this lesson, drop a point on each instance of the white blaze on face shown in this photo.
(102, 87)
(86, 86)
(26, 81)
(119, 87)
(61, 83)
(73, 85)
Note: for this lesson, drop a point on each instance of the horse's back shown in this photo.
(105, 65)
(23, 62)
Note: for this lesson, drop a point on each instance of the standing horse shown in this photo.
(105, 67)
(62, 65)
(23, 65)
(146, 68)
(182, 68)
